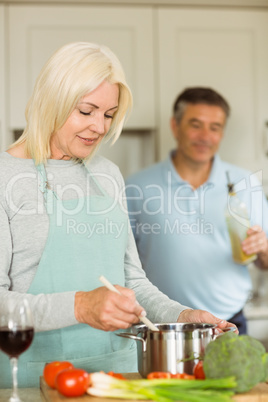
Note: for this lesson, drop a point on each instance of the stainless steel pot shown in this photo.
(175, 348)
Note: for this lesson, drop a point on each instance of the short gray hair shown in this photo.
(199, 95)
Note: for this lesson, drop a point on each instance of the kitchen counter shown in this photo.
(26, 395)
(45, 394)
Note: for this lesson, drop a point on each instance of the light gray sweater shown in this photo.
(23, 233)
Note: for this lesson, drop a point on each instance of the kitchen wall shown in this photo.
(34, 32)
(221, 46)
(133, 151)
(200, 3)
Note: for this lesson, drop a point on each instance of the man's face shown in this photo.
(199, 132)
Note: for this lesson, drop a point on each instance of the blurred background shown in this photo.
(164, 46)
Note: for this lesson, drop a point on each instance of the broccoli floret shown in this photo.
(265, 363)
(240, 356)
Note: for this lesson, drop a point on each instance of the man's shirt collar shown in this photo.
(176, 178)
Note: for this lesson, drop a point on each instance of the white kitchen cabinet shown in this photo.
(226, 50)
(35, 32)
(4, 135)
(258, 329)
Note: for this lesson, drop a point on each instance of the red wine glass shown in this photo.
(16, 335)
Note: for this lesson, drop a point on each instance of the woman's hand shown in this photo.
(202, 316)
(106, 310)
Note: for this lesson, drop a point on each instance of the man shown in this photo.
(177, 214)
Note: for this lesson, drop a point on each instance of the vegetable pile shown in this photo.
(162, 390)
(231, 364)
(242, 357)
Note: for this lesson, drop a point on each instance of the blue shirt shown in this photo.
(182, 237)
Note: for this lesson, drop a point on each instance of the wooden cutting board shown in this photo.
(258, 394)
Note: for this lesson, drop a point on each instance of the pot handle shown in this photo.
(227, 329)
(134, 337)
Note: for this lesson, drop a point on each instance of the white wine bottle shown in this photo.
(238, 223)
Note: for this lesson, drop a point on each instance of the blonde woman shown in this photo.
(64, 222)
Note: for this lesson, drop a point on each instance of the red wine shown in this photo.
(14, 342)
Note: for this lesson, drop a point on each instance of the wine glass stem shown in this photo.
(14, 368)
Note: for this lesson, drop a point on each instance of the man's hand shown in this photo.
(106, 310)
(202, 316)
(257, 243)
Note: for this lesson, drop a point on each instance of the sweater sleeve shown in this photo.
(50, 311)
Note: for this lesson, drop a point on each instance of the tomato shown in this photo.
(177, 375)
(188, 376)
(116, 375)
(199, 371)
(52, 369)
(183, 376)
(158, 374)
(163, 374)
(72, 382)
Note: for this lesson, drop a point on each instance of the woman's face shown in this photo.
(87, 124)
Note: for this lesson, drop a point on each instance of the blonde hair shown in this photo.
(73, 71)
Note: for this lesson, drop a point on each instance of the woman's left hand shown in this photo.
(202, 316)
(256, 242)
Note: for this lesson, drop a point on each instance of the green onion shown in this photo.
(214, 383)
(163, 390)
